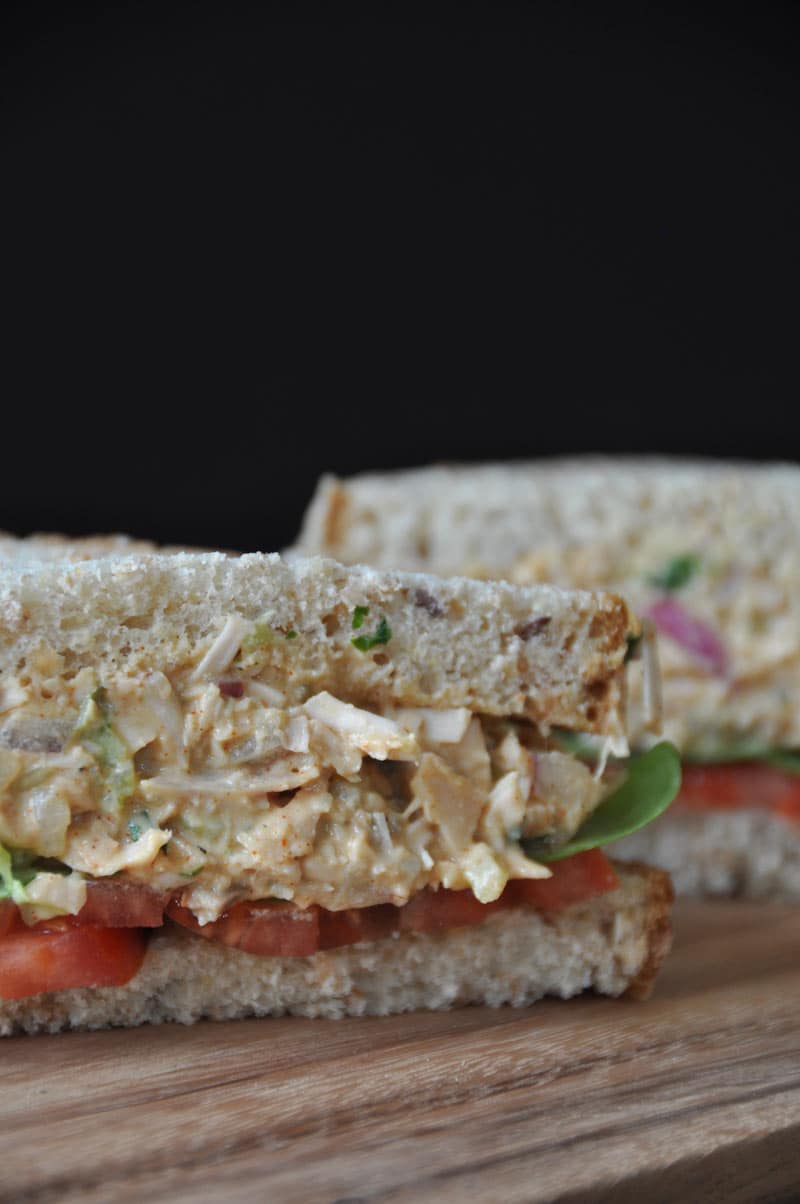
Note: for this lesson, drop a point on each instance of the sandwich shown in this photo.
(707, 552)
(246, 786)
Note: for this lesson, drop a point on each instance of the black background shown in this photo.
(245, 244)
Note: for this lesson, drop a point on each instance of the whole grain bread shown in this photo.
(612, 944)
(446, 518)
(748, 853)
(554, 656)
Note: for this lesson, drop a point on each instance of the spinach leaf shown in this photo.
(651, 783)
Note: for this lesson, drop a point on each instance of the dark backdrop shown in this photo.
(245, 244)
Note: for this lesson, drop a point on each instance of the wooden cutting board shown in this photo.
(694, 1095)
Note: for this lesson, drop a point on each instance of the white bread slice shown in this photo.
(52, 546)
(554, 656)
(445, 518)
(749, 853)
(612, 944)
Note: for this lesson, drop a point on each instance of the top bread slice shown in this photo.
(553, 656)
(448, 518)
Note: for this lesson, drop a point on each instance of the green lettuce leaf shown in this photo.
(651, 783)
(15, 874)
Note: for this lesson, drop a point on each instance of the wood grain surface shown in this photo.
(694, 1095)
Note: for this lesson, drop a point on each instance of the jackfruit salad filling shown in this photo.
(205, 781)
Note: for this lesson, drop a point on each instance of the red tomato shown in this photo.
(746, 784)
(274, 929)
(122, 905)
(108, 905)
(33, 961)
(574, 879)
(358, 924)
(270, 929)
(432, 909)
(9, 917)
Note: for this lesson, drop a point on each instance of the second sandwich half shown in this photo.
(280, 761)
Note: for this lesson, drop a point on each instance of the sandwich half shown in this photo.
(234, 787)
(708, 551)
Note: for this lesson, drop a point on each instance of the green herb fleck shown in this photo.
(137, 824)
(359, 615)
(291, 634)
(676, 572)
(381, 635)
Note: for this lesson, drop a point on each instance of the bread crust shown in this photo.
(658, 926)
(612, 944)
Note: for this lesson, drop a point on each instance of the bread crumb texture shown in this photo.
(450, 643)
(748, 853)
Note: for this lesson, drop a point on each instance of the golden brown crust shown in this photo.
(658, 925)
(335, 515)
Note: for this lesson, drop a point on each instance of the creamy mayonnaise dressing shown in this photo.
(202, 778)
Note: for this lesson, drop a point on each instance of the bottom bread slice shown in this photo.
(612, 944)
(748, 853)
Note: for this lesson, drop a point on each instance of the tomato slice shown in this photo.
(108, 905)
(432, 909)
(77, 951)
(358, 924)
(33, 961)
(741, 784)
(10, 918)
(122, 905)
(574, 879)
(274, 929)
(270, 929)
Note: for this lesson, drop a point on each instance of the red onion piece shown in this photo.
(697, 637)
